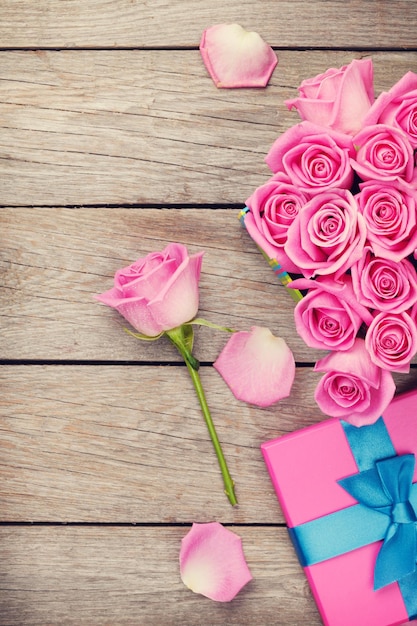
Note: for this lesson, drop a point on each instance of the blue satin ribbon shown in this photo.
(386, 510)
(387, 489)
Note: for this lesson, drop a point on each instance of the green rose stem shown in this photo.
(182, 338)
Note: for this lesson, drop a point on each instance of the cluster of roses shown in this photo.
(341, 211)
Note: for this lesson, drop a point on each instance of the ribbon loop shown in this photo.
(386, 488)
(403, 513)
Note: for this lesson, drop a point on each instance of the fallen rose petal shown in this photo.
(212, 562)
(258, 367)
(235, 57)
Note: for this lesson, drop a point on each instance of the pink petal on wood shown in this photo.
(212, 562)
(235, 57)
(258, 367)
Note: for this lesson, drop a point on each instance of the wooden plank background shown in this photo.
(373, 24)
(146, 127)
(114, 141)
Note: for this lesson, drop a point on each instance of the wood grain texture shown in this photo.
(113, 142)
(129, 444)
(129, 127)
(54, 260)
(130, 576)
(138, 23)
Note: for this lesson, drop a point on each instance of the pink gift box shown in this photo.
(304, 467)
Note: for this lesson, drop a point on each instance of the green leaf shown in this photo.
(188, 334)
(142, 337)
(198, 321)
(183, 337)
(195, 363)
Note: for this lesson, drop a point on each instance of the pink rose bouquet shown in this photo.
(338, 223)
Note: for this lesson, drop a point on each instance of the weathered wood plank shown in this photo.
(94, 127)
(129, 444)
(54, 260)
(130, 576)
(137, 23)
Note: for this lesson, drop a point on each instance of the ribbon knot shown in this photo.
(403, 513)
(386, 488)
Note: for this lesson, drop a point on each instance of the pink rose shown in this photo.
(383, 153)
(339, 98)
(313, 158)
(391, 341)
(273, 208)
(328, 235)
(159, 292)
(384, 284)
(353, 388)
(329, 316)
(398, 107)
(390, 212)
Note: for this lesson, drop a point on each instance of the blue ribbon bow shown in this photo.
(385, 510)
(387, 488)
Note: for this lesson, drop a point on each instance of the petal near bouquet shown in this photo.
(258, 367)
(235, 57)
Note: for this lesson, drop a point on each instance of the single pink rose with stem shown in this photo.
(353, 387)
(158, 295)
(338, 98)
